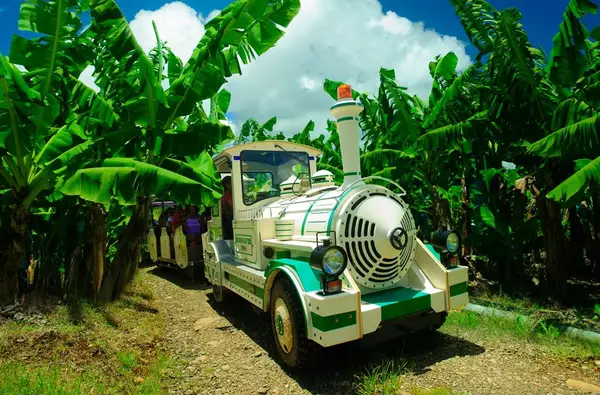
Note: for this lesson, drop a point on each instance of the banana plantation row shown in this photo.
(508, 150)
(80, 167)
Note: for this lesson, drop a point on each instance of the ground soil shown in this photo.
(228, 349)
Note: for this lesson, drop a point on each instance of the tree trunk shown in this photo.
(595, 233)
(98, 241)
(434, 209)
(466, 210)
(75, 281)
(440, 211)
(577, 243)
(125, 263)
(557, 266)
(13, 256)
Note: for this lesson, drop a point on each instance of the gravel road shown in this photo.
(227, 349)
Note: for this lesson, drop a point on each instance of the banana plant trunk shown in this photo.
(595, 233)
(466, 210)
(577, 243)
(557, 266)
(123, 267)
(98, 232)
(440, 217)
(14, 255)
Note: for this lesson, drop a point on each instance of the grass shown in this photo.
(583, 317)
(83, 349)
(387, 378)
(545, 337)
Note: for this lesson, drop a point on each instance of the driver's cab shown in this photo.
(261, 173)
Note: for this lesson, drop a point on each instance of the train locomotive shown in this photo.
(329, 263)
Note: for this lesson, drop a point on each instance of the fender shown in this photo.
(301, 275)
(222, 250)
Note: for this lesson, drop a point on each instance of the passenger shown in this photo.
(169, 224)
(227, 213)
(180, 213)
(192, 226)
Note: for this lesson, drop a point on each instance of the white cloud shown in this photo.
(87, 78)
(178, 24)
(348, 40)
(345, 40)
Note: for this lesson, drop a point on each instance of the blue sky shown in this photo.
(540, 17)
(345, 40)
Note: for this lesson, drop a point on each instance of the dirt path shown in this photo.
(227, 349)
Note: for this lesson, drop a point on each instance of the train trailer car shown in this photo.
(329, 264)
(170, 246)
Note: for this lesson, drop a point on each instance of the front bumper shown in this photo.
(348, 316)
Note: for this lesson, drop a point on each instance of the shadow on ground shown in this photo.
(345, 363)
(179, 278)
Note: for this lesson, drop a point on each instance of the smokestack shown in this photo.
(346, 111)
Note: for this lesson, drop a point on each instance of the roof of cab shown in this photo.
(267, 145)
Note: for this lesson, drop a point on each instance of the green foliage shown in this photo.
(574, 186)
(62, 141)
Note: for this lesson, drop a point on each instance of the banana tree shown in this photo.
(35, 131)
(252, 130)
(574, 67)
(159, 146)
(524, 96)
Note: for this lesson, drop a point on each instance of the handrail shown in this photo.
(378, 178)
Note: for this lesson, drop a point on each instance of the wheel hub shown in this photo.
(283, 326)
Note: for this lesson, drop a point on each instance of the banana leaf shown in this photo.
(570, 191)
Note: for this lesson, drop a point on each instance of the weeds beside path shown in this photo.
(79, 349)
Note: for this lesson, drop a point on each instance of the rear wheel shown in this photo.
(289, 327)
(220, 294)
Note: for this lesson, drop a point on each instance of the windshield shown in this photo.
(264, 171)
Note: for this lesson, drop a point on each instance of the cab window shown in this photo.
(264, 171)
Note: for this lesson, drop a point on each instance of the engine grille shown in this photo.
(357, 236)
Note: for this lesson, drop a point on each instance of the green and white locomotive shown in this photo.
(330, 264)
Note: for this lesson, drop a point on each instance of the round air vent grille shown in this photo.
(367, 223)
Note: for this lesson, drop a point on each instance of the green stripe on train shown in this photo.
(246, 286)
(458, 289)
(333, 322)
(399, 302)
(309, 209)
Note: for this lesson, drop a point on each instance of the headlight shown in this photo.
(453, 243)
(334, 261)
(331, 260)
(447, 241)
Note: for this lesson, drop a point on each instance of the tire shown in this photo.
(220, 294)
(294, 349)
(190, 272)
(443, 316)
(435, 327)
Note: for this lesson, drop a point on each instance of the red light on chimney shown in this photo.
(344, 91)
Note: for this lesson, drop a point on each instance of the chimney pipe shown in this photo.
(346, 111)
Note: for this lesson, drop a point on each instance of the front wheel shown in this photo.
(289, 327)
(442, 321)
